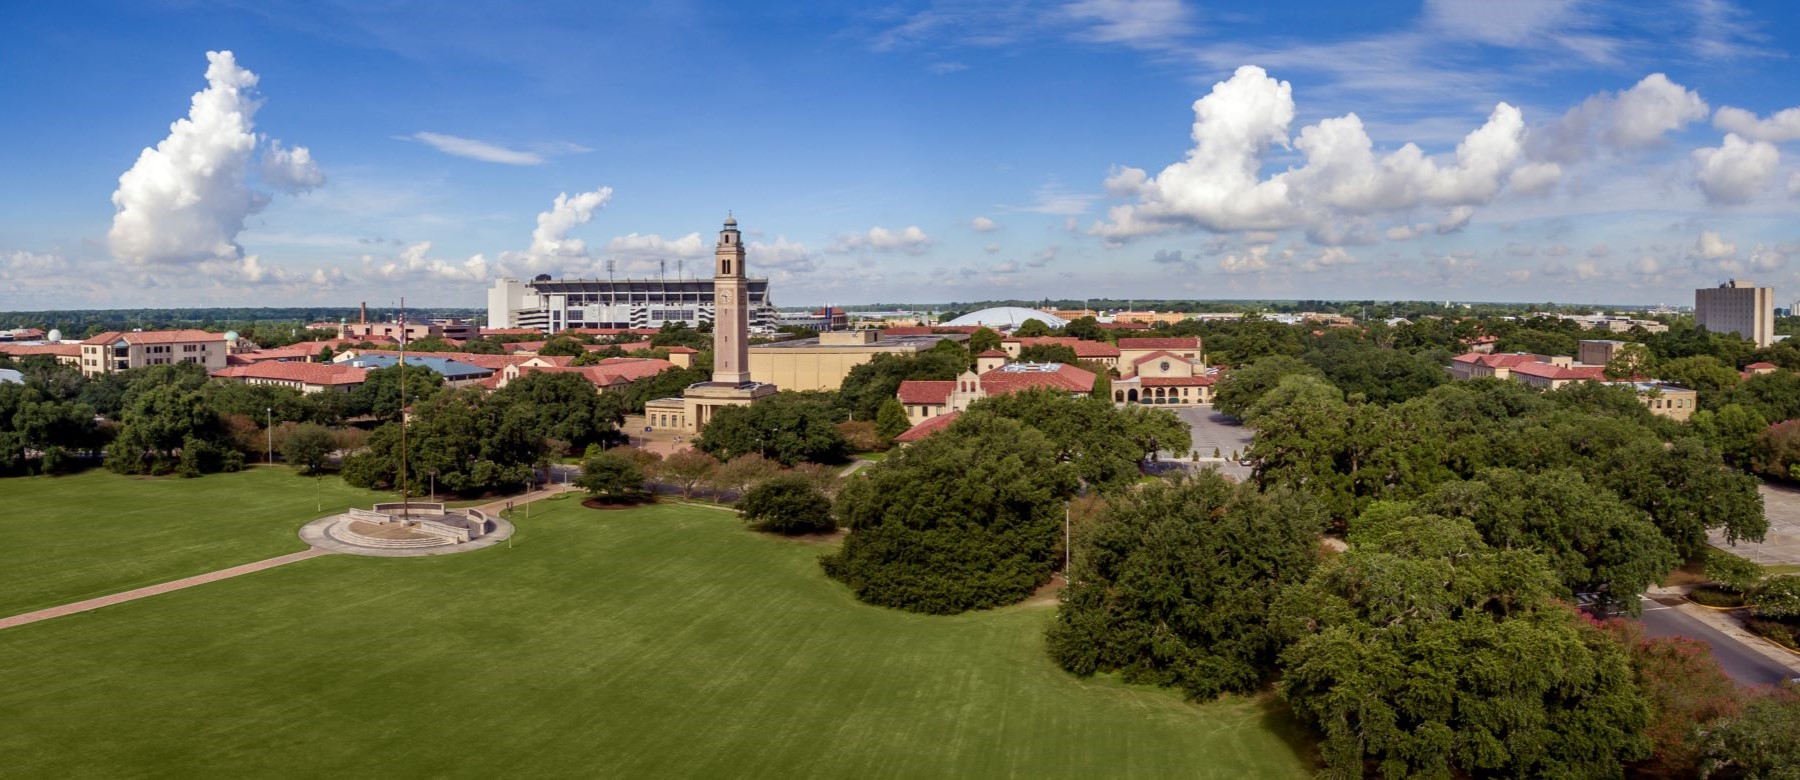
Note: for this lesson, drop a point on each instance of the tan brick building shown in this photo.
(118, 351)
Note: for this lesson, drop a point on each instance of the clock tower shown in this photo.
(731, 316)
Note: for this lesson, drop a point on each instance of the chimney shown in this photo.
(365, 313)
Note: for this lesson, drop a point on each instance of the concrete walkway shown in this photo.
(133, 595)
(495, 507)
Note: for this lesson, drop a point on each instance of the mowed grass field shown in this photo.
(656, 642)
(65, 539)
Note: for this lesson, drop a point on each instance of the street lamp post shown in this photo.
(433, 473)
(271, 412)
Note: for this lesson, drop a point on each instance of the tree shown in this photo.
(967, 519)
(678, 334)
(1048, 353)
(566, 407)
(1730, 571)
(1685, 688)
(160, 423)
(612, 478)
(738, 475)
(1171, 586)
(1032, 328)
(1098, 441)
(307, 445)
(565, 346)
(1629, 361)
(1085, 328)
(1242, 387)
(787, 504)
(789, 427)
(866, 387)
(982, 340)
(379, 394)
(1732, 430)
(1423, 650)
(1762, 743)
(1701, 373)
(891, 421)
(1593, 541)
(687, 470)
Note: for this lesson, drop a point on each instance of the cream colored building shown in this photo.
(117, 351)
(1740, 307)
(822, 363)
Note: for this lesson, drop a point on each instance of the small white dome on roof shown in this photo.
(1007, 317)
(231, 335)
(54, 335)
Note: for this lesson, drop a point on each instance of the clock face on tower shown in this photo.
(724, 296)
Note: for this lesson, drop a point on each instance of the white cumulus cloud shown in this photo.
(185, 201)
(291, 170)
(983, 225)
(1735, 171)
(1712, 247)
(415, 263)
(1634, 118)
(910, 240)
(551, 247)
(1781, 127)
(1219, 187)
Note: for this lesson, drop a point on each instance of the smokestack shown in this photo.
(365, 312)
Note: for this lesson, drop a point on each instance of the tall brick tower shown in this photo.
(731, 317)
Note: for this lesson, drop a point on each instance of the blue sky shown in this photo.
(923, 151)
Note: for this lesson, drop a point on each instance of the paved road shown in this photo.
(1745, 666)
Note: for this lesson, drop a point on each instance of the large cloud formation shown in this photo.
(1220, 186)
(185, 201)
(551, 247)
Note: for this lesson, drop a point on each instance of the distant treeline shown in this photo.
(76, 323)
(1364, 308)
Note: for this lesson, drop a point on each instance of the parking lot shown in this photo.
(1212, 430)
(1781, 547)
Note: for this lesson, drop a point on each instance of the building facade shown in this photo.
(119, 351)
(1740, 307)
(553, 305)
(822, 362)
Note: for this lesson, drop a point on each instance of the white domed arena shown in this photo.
(1007, 317)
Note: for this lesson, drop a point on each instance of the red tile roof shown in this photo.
(27, 350)
(155, 336)
(304, 373)
(610, 372)
(1761, 365)
(999, 353)
(1160, 355)
(511, 332)
(925, 391)
(927, 428)
(683, 351)
(1505, 360)
(1176, 342)
(1083, 348)
(1561, 373)
(1025, 376)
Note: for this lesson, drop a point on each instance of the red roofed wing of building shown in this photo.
(926, 391)
(927, 428)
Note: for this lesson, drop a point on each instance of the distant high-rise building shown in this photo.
(1737, 306)
(552, 305)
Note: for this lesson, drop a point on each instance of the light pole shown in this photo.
(271, 430)
(433, 473)
(1065, 540)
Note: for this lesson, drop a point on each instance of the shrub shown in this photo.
(1715, 596)
(788, 504)
(1778, 598)
(1785, 634)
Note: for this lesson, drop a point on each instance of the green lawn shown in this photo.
(658, 642)
(72, 538)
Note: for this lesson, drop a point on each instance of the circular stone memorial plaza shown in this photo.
(406, 530)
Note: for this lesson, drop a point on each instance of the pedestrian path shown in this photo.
(133, 595)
